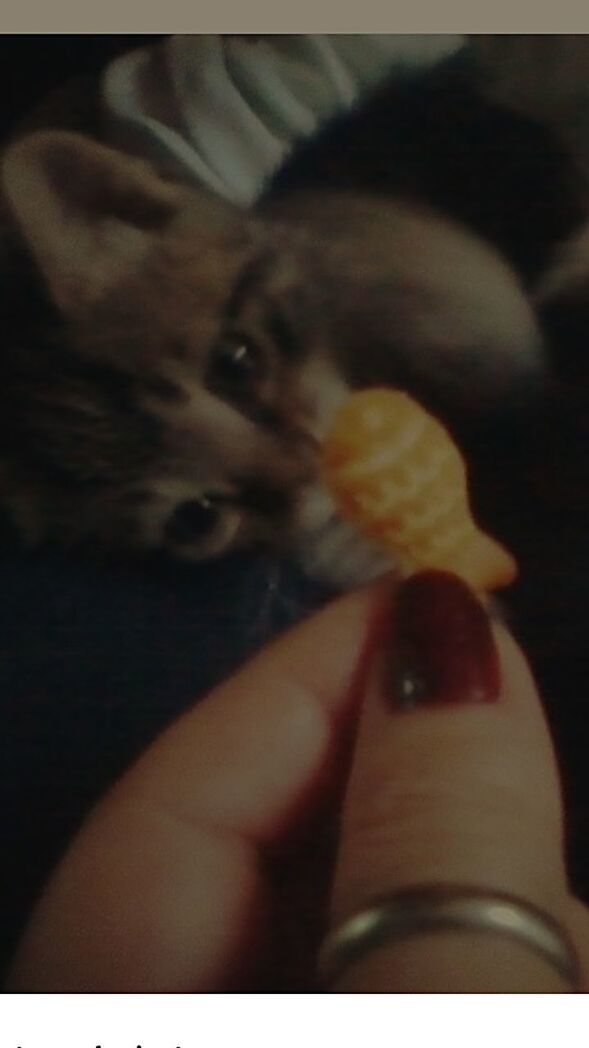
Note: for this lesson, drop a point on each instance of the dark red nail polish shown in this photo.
(443, 650)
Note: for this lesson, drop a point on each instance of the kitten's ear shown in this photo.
(87, 212)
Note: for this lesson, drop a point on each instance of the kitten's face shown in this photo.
(183, 404)
(181, 410)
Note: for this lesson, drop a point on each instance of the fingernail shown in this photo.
(441, 644)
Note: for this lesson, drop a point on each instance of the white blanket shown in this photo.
(226, 111)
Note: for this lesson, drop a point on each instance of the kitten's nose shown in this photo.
(307, 448)
(309, 443)
(288, 462)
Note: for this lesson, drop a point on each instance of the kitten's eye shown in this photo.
(192, 521)
(234, 365)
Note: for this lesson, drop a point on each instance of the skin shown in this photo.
(169, 885)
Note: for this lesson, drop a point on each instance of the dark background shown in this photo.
(31, 66)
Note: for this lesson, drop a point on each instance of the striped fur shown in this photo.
(123, 291)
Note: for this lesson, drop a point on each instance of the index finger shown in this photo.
(164, 888)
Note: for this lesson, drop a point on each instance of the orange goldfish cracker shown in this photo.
(395, 471)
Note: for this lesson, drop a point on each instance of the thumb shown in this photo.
(453, 782)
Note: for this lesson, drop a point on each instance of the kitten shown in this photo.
(188, 357)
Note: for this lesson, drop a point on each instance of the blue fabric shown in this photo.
(95, 659)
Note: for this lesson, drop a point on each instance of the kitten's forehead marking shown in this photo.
(273, 270)
(248, 283)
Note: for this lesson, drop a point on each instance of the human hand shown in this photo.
(185, 876)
